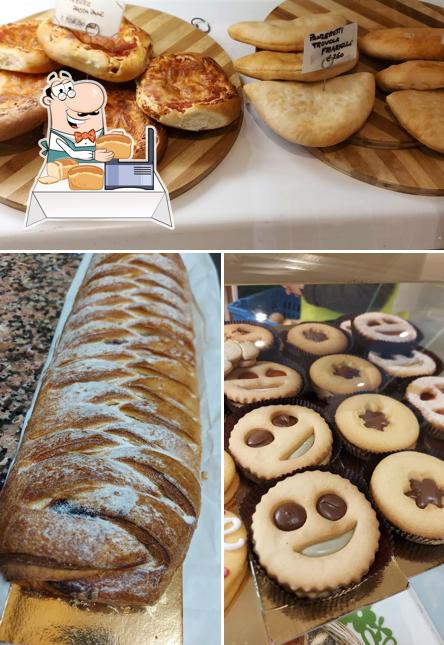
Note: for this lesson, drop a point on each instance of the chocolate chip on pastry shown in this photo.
(261, 382)
(343, 374)
(277, 439)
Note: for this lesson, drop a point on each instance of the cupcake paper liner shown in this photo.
(329, 597)
(431, 445)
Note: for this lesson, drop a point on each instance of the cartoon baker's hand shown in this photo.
(104, 155)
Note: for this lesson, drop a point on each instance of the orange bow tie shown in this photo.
(80, 136)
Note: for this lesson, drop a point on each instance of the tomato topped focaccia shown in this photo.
(122, 112)
(188, 91)
(20, 51)
(116, 59)
(20, 109)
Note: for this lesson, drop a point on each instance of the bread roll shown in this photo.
(104, 496)
(412, 75)
(120, 144)
(404, 43)
(60, 168)
(83, 177)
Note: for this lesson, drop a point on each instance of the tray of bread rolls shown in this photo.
(90, 519)
(378, 118)
(154, 52)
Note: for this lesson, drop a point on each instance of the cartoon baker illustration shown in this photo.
(76, 118)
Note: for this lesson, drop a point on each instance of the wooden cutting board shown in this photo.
(189, 157)
(381, 153)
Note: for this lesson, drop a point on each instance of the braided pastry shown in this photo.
(103, 499)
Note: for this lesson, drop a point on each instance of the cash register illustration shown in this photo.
(133, 173)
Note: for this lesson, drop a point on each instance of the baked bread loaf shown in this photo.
(116, 59)
(60, 168)
(83, 177)
(20, 51)
(122, 112)
(404, 43)
(120, 144)
(188, 91)
(412, 75)
(104, 496)
(20, 109)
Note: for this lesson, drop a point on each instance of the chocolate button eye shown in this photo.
(247, 375)
(289, 516)
(258, 438)
(284, 420)
(331, 506)
(426, 396)
(272, 372)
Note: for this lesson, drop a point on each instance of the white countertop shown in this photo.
(266, 194)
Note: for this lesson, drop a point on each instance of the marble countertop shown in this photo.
(32, 291)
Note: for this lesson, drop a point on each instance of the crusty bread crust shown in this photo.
(110, 59)
(404, 43)
(421, 114)
(188, 91)
(412, 75)
(285, 66)
(20, 109)
(84, 177)
(20, 51)
(104, 496)
(120, 144)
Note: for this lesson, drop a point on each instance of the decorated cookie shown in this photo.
(278, 439)
(426, 394)
(403, 366)
(343, 374)
(317, 338)
(375, 423)
(260, 336)
(314, 532)
(231, 479)
(235, 555)
(384, 333)
(346, 326)
(241, 353)
(263, 381)
(408, 487)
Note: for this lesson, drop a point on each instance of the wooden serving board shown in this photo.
(189, 156)
(382, 153)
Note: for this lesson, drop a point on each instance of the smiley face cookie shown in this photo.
(426, 394)
(343, 374)
(241, 353)
(235, 555)
(408, 487)
(317, 338)
(315, 531)
(261, 337)
(376, 423)
(384, 332)
(412, 365)
(264, 381)
(231, 479)
(279, 439)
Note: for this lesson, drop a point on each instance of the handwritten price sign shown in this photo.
(328, 48)
(95, 17)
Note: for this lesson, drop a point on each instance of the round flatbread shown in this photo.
(404, 43)
(122, 112)
(421, 114)
(20, 51)
(116, 59)
(20, 109)
(315, 114)
(188, 91)
(412, 75)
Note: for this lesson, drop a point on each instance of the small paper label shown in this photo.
(327, 48)
(95, 17)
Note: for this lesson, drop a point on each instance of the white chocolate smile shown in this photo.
(329, 546)
(300, 450)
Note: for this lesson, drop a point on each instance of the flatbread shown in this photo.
(284, 35)
(122, 112)
(118, 59)
(421, 114)
(188, 91)
(20, 50)
(20, 109)
(313, 116)
(404, 43)
(412, 75)
(285, 66)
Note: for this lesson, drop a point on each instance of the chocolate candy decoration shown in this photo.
(289, 516)
(248, 375)
(426, 395)
(374, 419)
(346, 371)
(258, 438)
(284, 420)
(316, 336)
(331, 506)
(425, 492)
(272, 372)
